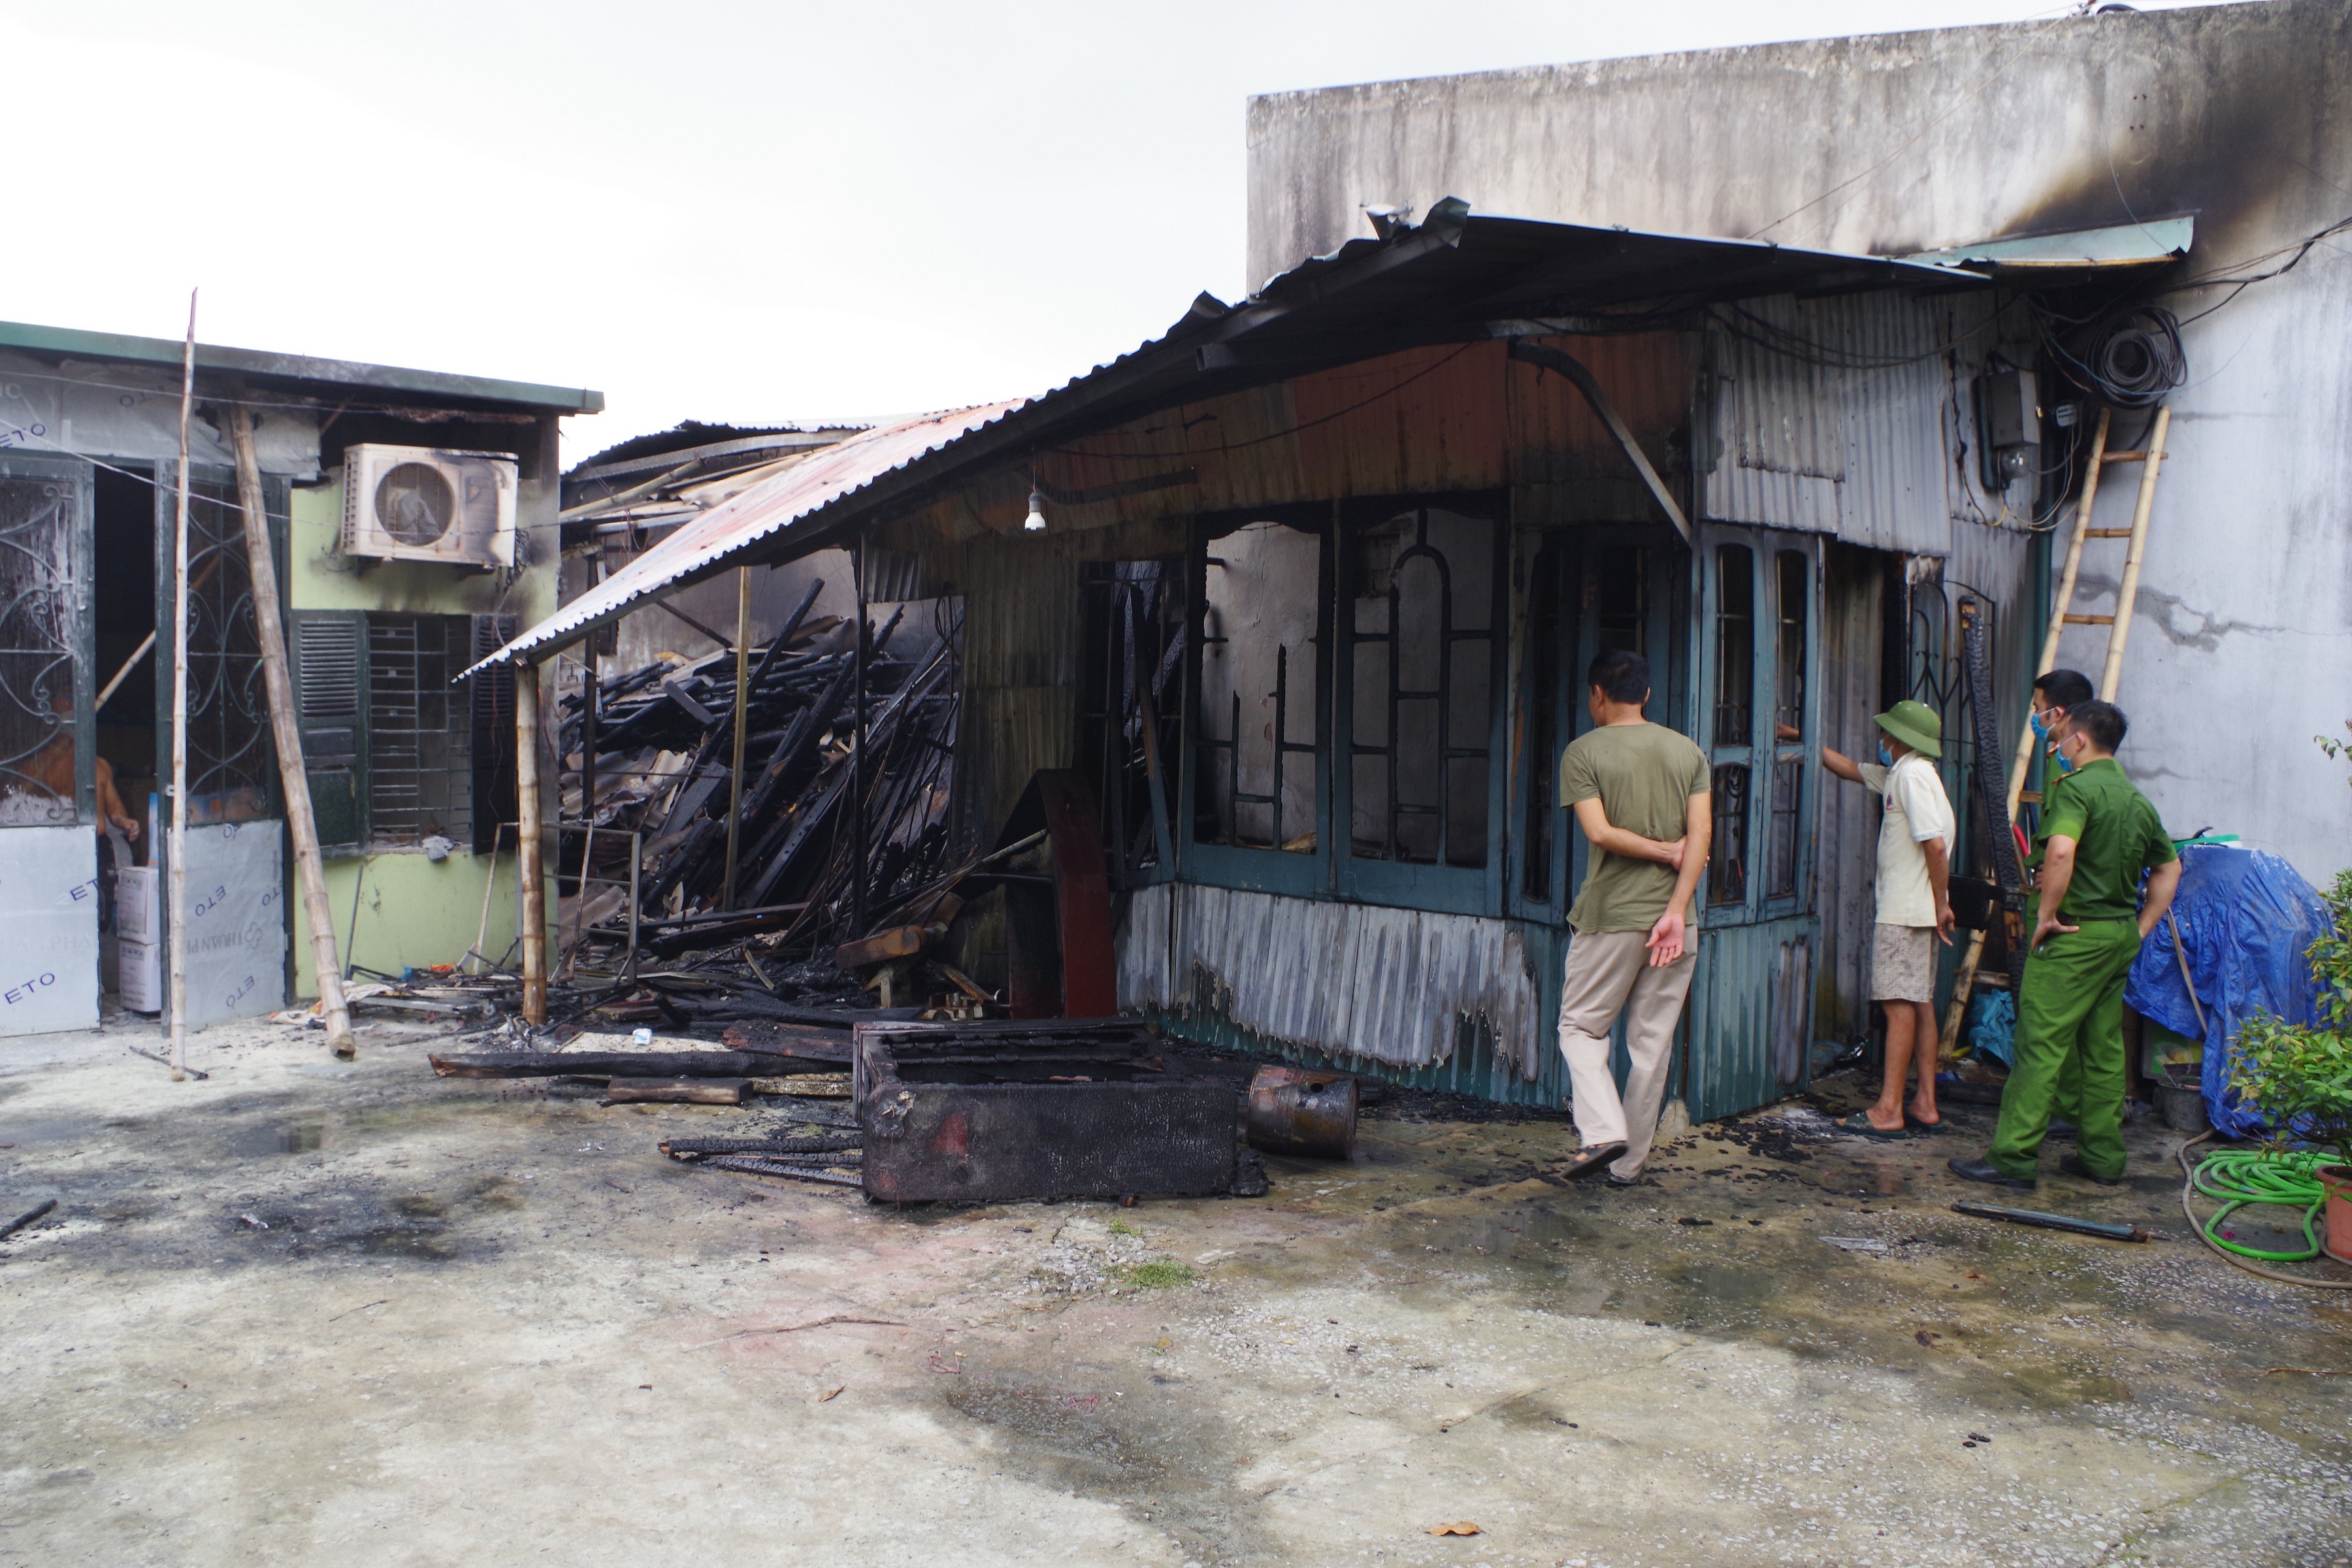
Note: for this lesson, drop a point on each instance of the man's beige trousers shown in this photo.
(1608, 972)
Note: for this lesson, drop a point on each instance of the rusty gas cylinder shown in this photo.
(1294, 1112)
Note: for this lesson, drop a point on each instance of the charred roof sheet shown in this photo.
(1456, 277)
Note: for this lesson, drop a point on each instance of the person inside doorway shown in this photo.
(1914, 908)
(1643, 798)
(52, 769)
(2099, 836)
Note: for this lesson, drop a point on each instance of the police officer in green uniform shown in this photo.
(2099, 834)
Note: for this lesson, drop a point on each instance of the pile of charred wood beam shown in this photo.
(822, 835)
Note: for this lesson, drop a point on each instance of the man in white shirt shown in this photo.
(1914, 909)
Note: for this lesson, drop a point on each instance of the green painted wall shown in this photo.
(414, 912)
(317, 578)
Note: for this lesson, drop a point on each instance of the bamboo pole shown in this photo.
(310, 872)
(1964, 984)
(2127, 595)
(530, 892)
(2063, 598)
(177, 873)
(742, 708)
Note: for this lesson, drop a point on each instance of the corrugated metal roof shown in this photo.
(743, 520)
(1454, 278)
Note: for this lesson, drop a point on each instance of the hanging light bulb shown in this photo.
(1035, 522)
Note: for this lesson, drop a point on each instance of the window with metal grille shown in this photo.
(1259, 709)
(1792, 596)
(419, 728)
(1734, 725)
(1423, 642)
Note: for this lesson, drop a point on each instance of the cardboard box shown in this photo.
(138, 905)
(141, 983)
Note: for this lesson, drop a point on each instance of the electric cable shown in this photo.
(2240, 1178)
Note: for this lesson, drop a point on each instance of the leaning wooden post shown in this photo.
(310, 872)
(742, 717)
(530, 894)
(178, 873)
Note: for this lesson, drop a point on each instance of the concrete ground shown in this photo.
(302, 1313)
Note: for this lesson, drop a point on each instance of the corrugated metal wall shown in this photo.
(1837, 415)
(1401, 988)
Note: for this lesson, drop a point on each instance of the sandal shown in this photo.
(1587, 1161)
(1860, 1122)
(1922, 1128)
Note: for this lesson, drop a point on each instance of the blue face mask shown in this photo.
(2041, 728)
(1885, 757)
(2066, 763)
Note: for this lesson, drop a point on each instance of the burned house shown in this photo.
(1303, 589)
(412, 514)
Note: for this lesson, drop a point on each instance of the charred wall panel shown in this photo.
(1395, 986)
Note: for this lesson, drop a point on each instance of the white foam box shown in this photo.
(142, 975)
(138, 905)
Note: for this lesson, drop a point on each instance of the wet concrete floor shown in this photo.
(301, 1314)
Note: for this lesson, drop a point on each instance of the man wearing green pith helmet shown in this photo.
(1914, 907)
(2100, 836)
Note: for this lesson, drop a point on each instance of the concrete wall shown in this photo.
(2241, 648)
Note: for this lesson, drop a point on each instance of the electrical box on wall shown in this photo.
(425, 504)
(2008, 427)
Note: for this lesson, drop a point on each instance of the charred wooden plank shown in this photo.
(674, 1092)
(762, 1165)
(899, 942)
(814, 1144)
(624, 1064)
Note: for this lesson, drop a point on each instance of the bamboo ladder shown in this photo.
(2119, 625)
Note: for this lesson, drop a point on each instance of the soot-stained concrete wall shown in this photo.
(2241, 646)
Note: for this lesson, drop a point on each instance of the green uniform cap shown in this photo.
(1915, 725)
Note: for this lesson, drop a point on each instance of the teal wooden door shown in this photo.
(1755, 621)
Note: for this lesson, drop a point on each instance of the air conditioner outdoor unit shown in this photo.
(422, 503)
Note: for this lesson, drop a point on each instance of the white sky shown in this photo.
(738, 212)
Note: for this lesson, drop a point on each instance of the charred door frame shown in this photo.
(1747, 997)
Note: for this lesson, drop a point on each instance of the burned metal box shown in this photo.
(986, 1111)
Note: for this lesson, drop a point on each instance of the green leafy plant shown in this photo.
(1157, 1274)
(2300, 1074)
(2340, 750)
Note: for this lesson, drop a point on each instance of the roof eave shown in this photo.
(300, 371)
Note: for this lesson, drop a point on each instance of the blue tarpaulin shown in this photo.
(2246, 919)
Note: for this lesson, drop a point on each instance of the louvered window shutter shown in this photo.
(330, 710)
(494, 733)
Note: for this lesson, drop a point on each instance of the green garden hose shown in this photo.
(2237, 1177)
(2222, 1249)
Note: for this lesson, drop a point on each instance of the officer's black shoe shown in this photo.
(1986, 1172)
(2073, 1166)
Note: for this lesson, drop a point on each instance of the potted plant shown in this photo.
(2300, 1074)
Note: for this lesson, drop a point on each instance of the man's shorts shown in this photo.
(1903, 964)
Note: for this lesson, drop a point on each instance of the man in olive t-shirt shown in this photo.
(1641, 793)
